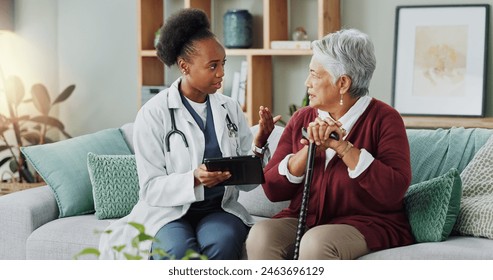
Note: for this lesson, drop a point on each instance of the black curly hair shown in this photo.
(179, 33)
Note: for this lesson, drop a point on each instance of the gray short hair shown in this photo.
(347, 52)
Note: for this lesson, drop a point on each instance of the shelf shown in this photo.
(447, 122)
(275, 17)
(270, 52)
(247, 52)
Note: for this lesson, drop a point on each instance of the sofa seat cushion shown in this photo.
(455, 248)
(63, 238)
(257, 203)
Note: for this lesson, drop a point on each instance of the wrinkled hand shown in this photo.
(209, 178)
(319, 131)
(265, 126)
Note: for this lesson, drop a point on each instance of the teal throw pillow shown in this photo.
(115, 184)
(433, 206)
(63, 166)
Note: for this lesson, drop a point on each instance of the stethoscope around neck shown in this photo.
(233, 129)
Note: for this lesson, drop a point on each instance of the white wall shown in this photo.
(97, 49)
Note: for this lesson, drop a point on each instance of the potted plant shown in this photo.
(27, 129)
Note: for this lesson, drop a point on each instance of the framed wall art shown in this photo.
(440, 60)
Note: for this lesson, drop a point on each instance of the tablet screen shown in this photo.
(244, 169)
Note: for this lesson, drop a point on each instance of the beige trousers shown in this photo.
(274, 239)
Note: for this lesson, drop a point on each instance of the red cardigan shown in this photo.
(374, 201)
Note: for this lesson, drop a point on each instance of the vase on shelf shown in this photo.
(238, 29)
(299, 34)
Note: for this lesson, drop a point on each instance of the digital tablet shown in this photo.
(244, 169)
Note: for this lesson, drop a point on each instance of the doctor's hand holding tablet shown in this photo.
(220, 169)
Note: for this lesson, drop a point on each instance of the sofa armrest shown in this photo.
(21, 213)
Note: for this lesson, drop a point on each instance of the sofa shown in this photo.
(31, 225)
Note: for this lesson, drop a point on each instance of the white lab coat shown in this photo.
(166, 178)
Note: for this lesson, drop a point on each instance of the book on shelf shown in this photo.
(291, 45)
(243, 83)
(235, 85)
(149, 92)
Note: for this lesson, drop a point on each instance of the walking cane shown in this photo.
(306, 191)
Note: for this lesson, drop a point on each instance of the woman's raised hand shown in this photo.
(266, 125)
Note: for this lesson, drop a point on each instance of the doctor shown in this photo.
(181, 204)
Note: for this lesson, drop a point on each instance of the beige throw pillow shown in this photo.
(476, 213)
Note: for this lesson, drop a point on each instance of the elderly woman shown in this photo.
(359, 181)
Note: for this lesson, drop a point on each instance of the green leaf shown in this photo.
(65, 94)
(138, 226)
(132, 257)
(49, 140)
(5, 160)
(4, 147)
(13, 165)
(41, 98)
(144, 237)
(65, 134)
(88, 251)
(160, 253)
(135, 242)
(15, 90)
(119, 248)
(31, 136)
(51, 121)
(306, 100)
(3, 129)
(4, 123)
(23, 118)
(192, 255)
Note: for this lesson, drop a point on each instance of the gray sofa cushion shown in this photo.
(455, 248)
(258, 204)
(255, 201)
(63, 238)
(128, 131)
(21, 213)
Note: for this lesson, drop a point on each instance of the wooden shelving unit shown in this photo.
(275, 27)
